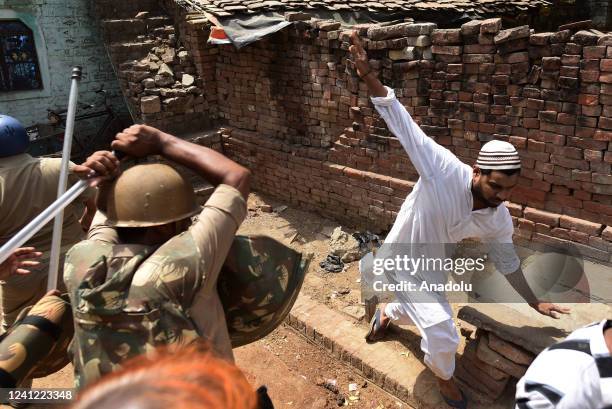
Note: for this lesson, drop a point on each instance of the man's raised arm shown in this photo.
(426, 155)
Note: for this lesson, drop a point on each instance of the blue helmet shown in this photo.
(13, 137)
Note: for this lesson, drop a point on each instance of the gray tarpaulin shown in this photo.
(244, 30)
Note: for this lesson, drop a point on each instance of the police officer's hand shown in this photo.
(140, 141)
(102, 164)
(19, 261)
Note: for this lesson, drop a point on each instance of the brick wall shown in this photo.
(68, 37)
(301, 120)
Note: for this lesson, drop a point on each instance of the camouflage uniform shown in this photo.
(36, 344)
(128, 299)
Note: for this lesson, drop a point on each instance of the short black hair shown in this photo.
(508, 172)
(130, 235)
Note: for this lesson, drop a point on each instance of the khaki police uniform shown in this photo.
(27, 187)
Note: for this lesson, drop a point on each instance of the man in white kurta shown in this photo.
(450, 202)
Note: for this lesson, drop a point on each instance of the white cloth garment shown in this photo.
(574, 373)
(438, 211)
(439, 342)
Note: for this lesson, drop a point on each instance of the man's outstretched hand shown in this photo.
(19, 262)
(359, 54)
(549, 309)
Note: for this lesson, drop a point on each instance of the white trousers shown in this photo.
(439, 342)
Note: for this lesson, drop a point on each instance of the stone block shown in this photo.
(447, 49)
(297, 16)
(471, 28)
(407, 53)
(377, 33)
(491, 26)
(513, 352)
(585, 38)
(486, 354)
(446, 36)
(540, 39)
(512, 34)
(150, 104)
(562, 36)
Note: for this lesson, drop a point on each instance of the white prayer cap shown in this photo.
(498, 155)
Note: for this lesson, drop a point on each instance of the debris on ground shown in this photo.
(352, 387)
(341, 400)
(367, 241)
(344, 245)
(327, 231)
(265, 208)
(344, 291)
(329, 384)
(280, 209)
(332, 264)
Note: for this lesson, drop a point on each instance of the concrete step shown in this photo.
(123, 30)
(163, 31)
(126, 30)
(394, 364)
(124, 51)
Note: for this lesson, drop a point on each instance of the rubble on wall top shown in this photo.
(227, 8)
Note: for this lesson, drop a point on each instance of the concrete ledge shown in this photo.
(402, 375)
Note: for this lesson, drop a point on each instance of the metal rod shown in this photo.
(61, 187)
(42, 219)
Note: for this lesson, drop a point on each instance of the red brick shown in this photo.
(581, 225)
(582, 195)
(566, 201)
(354, 173)
(536, 146)
(541, 185)
(540, 216)
(560, 233)
(607, 233)
(578, 236)
(601, 135)
(593, 156)
(599, 208)
(601, 179)
(514, 209)
(544, 167)
(525, 195)
(588, 99)
(401, 185)
(606, 65)
(526, 225)
(518, 142)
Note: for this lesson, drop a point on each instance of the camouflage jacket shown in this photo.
(116, 319)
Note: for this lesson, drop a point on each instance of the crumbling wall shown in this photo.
(298, 116)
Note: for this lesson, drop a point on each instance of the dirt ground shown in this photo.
(308, 233)
(295, 373)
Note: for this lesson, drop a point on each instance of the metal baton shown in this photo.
(42, 219)
(61, 187)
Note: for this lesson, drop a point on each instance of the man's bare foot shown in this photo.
(450, 389)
